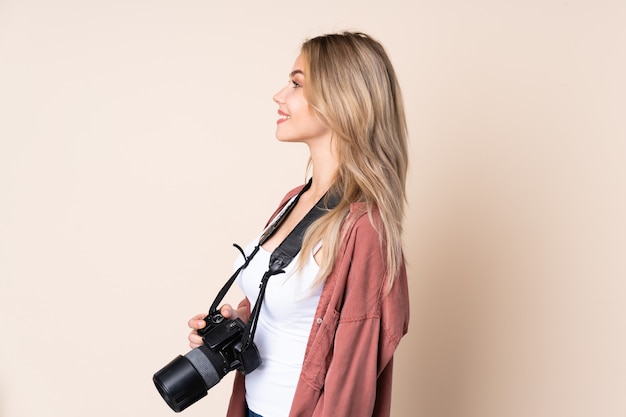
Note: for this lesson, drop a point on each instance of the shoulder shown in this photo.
(361, 251)
(359, 277)
(364, 225)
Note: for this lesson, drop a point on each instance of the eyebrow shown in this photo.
(294, 72)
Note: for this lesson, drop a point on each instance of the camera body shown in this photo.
(224, 335)
(187, 378)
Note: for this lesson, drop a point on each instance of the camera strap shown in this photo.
(280, 258)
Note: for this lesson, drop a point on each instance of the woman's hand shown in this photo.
(229, 312)
(197, 322)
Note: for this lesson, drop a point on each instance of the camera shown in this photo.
(187, 378)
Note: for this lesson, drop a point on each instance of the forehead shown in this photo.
(298, 65)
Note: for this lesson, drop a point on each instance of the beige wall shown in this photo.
(136, 144)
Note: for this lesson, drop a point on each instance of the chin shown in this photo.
(287, 139)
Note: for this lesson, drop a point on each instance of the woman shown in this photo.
(328, 328)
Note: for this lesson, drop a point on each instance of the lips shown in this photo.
(283, 117)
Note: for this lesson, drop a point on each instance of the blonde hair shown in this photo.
(352, 86)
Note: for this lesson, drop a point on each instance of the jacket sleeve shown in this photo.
(370, 325)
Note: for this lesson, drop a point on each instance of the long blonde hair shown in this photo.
(352, 86)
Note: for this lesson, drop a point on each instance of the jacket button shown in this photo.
(319, 320)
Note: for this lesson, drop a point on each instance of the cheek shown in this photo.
(296, 101)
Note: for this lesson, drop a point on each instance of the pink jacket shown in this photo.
(348, 362)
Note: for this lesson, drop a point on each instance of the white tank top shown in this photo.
(282, 331)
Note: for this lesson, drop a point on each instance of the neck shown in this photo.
(325, 166)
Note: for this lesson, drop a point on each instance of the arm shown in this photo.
(358, 380)
(370, 323)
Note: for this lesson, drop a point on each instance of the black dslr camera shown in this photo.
(228, 344)
(187, 378)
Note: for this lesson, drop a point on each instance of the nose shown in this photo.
(279, 97)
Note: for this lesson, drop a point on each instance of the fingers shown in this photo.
(195, 323)
(194, 340)
(227, 311)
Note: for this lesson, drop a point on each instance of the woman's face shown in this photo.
(296, 122)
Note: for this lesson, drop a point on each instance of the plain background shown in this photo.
(137, 144)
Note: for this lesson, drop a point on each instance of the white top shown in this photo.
(282, 331)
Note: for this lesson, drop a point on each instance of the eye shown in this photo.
(295, 84)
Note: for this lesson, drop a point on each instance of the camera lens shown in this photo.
(187, 378)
